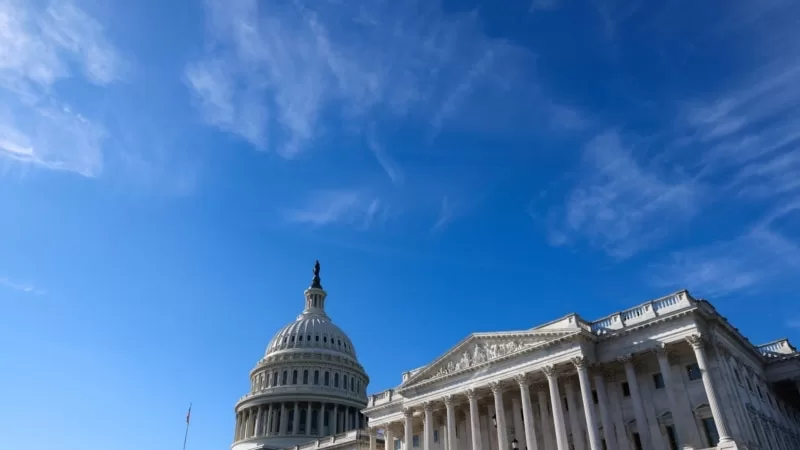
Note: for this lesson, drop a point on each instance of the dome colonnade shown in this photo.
(308, 385)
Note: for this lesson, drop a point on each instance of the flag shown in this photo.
(188, 414)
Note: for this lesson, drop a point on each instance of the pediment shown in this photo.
(482, 348)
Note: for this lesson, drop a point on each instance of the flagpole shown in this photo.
(186, 435)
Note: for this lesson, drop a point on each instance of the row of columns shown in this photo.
(272, 419)
(553, 425)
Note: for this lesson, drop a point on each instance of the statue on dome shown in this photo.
(315, 283)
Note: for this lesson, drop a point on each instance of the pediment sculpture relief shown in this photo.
(479, 353)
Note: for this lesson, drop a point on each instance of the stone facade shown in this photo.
(668, 374)
(309, 385)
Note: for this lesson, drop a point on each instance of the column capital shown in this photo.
(660, 350)
(495, 387)
(471, 394)
(522, 379)
(550, 371)
(427, 407)
(579, 362)
(626, 359)
(695, 340)
(373, 432)
(408, 412)
(448, 401)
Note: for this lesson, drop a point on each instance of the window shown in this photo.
(325, 339)
(285, 377)
(336, 380)
(415, 441)
(594, 397)
(658, 381)
(316, 377)
(710, 429)
(693, 371)
(671, 438)
(339, 342)
(292, 338)
(344, 382)
(294, 377)
(626, 389)
(316, 338)
(352, 385)
(308, 338)
(397, 444)
(305, 377)
(275, 378)
(435, 435)
(327, 379)
(637, 442)
(301, 338)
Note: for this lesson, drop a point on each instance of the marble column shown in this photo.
(605, 416)
(451, 422)
(666, 375)
(722, 429)
(558, 414)
(527, 413)
(388, 438)
(236, 428)
(408, 430)
(572, 411)
(284, 423)
(296, 419)
(548, 432)
(500, 413)
(474, 419)
(259, 421)
(638, 408)
(309, 412)
(516, 419)
(373, 438)
(427, 426)
(588, 404)
(321, 420)
(334, 426)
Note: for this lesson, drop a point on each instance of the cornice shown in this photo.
(309, 359)
(257, 400)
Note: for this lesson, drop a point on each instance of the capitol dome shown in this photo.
(309, 383)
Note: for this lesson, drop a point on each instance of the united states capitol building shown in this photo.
(668, 374)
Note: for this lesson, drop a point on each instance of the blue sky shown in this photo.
(170, 170)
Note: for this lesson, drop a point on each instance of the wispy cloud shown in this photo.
(446, 215)
(621, 205)
(39, 47)
(350, 207)
(276, 74)
(20, 287)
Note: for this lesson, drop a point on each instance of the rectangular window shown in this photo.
(710, 429)
(637, 442)
(305, 377)
(327, 378)
(671, 438)
(658, 381)
(285, 377)
(316, 377)
(693, 371)
(415, 441)
(294, 377)
(626, 389)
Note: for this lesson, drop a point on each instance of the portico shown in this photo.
(648, 382)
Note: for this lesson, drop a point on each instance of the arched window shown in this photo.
(285, 377)
(316, 377)
(325, 339)
(352, 385)
(336, 380)
(344, 382)
(294, 377)
(305, 377)
(275, 378)
(327, 378)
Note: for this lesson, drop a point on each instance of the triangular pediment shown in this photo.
(482, 348)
